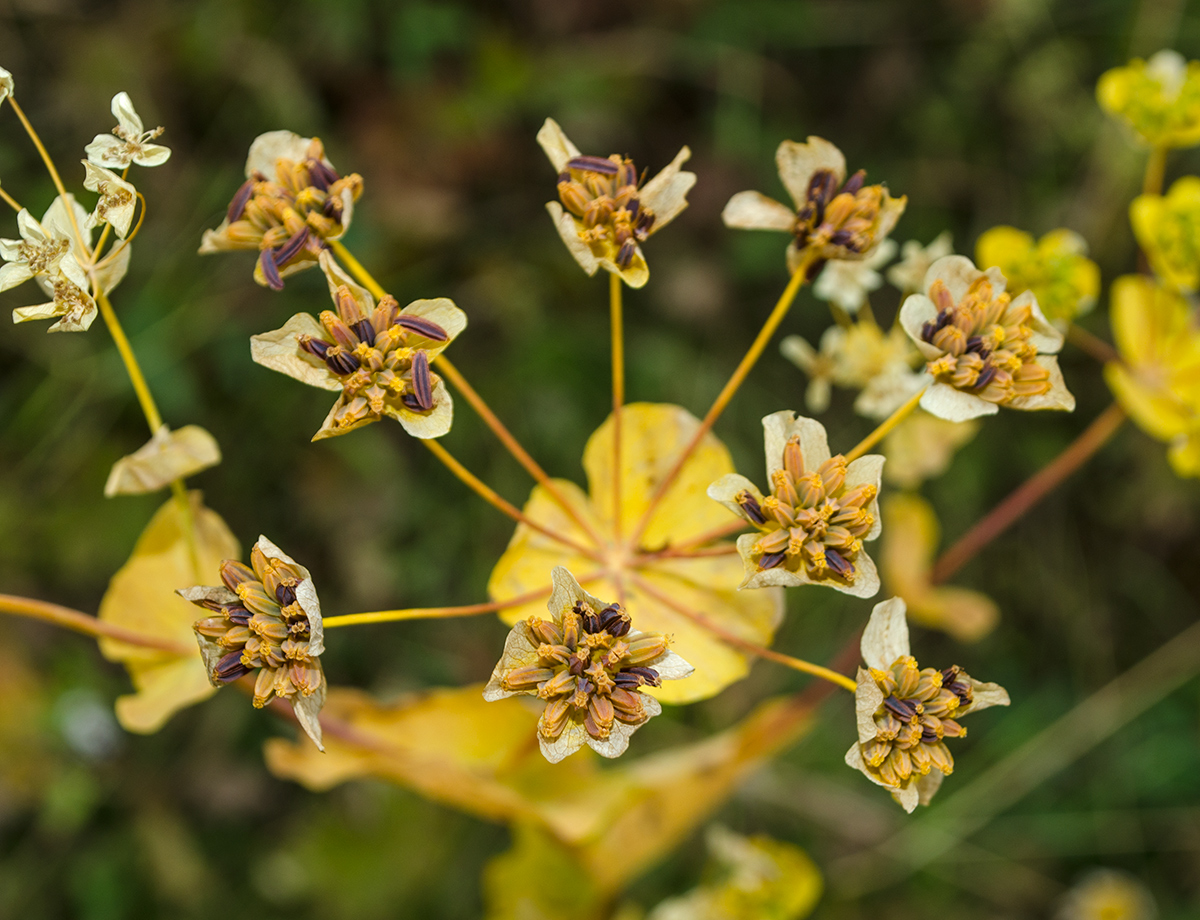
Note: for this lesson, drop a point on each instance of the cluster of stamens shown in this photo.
(845, 218)
(987, 344)
(589, 671)
(265, 628)
(42, 256)
(809, 520)
(602, 193)
(289, 217)
(380, 360)
(914, 720)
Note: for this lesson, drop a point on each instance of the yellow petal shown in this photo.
(167, 456)
(141, 597)
(538, 878)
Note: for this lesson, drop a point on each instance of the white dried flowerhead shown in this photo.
(118, 198)
(129, 141)
(6, 84)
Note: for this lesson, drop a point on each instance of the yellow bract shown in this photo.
(911, 538)
(1168, 230)
(652, 437)
(1158, 380)
(1159, 99)
(141, 597)
(1056, 268)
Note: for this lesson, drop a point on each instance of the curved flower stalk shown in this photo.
(820, 511)
(129, 141)
(908, 275)
(604, 213)
(265, 617)
(1168, 230)
(378, 356)
(984, 349)
(1157, 380)
(847, 283)
(291, 205)
(1158, 99)
(833, 218)
(905, 713)
(1056, 268)
(590, 666)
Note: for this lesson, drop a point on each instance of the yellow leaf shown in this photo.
(652, 437)
(141, 597)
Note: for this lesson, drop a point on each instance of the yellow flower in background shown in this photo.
(1168, 230)
(1108, 894)
(905, 713)
(833, 218)
(1157, 380)
(922, 446)
(906, 561)
(1158, 99)
(1056, 268)
(608, 212)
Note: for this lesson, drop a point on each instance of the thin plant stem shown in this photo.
(1091, 344)
(454, 375)
(717, 533)
(12, 202)
(81, 622)
(50, 167)
(618, 391)
(489, 495)
(797, 664)
(1029, 493)
(885, 427)
(441, 613)
(727, 393)
(1156, 169)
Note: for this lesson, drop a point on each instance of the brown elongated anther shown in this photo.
(426, 328)
(270, 270)
(422, 385)
(237, 206)
(593, 164)
(292, 247)
(234, 573)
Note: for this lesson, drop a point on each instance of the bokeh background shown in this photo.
(981, 111)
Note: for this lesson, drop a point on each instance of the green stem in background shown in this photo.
(1092, 344)
(1028, 494)
(885, 427)
(727, 393)
(618, 391)
(87, 625)
(1156, 169)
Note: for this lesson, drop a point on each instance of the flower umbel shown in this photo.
(129, 141)
(609, 212)
(906, 713)
(378, 356)
(1158, 99)
(984, 349)
(820, 511)
(1056, 268)
(292, 203)
(265, 618)
(834, 217)
(590, 666)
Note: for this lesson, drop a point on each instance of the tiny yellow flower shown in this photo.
(1056, 268)
(605, 212)
(377, 356)
(292, 202)
(905, 713)
(1157, 380)
(820, 511)
(1107, 894)
(983, 348)
(834, 217)
(1158, 99)
(590, 666)
(129, 142)
(265, 617)
(1168, 230)
(909, 273)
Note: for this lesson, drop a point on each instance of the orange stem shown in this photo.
(618, 391)
(83, 623)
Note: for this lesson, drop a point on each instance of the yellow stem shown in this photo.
(12, 202)
(489, 495)
(132, 368)
(439, 613)
(87, 625)
(735, 381)
(357, 269)
(1156, 169)
(840, 316)
(54, 176)
(618, 390)
(797, 664)
(885, 427)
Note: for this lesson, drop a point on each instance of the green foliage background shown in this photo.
(981, 111)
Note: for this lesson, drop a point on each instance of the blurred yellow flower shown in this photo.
(1107, 894)
(1158, 99)
(1157, 380)
(833, 217)
(1168, 230)
(1056, 268)
(906, 713)
(608, 212)
(906, 561)
(922, 446)
(909, 273)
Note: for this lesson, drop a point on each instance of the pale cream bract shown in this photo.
(909, 273)
(129, 142)
(167, 456)
(118, 198)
